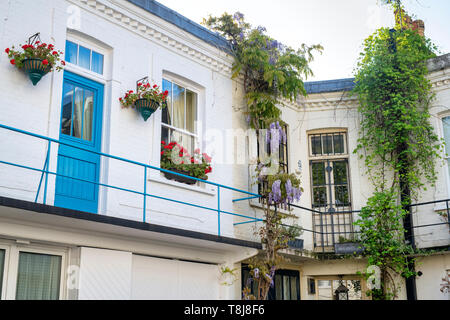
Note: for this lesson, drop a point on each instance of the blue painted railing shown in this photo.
(46, 171)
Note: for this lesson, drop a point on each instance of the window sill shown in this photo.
(441, 206)
(200, 187)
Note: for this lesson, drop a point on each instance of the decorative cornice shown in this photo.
(158, 31)
(440, 80)
(330, 101)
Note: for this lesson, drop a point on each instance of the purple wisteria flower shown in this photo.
(261, 29)
(238, 16)
(274, 44)
(297, 194)
(289, 191)
(272, 60)
(272, 271)
(275, 136)
(276, 191)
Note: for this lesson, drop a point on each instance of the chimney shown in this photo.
(404, 20)
(419, 26)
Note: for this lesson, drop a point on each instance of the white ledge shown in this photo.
(200, 187)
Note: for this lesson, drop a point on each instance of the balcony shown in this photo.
(30, 175)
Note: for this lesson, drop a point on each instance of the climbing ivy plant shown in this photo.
(396, 141)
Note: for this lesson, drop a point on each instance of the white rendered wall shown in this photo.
(130, 55)
(434, 269)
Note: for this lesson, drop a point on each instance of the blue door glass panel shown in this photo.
(81, 116)
(66, 117)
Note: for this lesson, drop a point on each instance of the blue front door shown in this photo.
(81, 126)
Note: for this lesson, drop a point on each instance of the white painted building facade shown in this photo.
(173, 251)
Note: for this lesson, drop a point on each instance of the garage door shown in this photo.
(154, 278)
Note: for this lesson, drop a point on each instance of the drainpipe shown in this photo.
(405, 198)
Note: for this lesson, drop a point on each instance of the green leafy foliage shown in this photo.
(394, 96)
(381, 227)
(396, 141)
(271, 70)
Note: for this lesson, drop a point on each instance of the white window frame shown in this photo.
(446, 158)
(259, 141)
(91, 45)
(195, 90)
(5, 270)
(324, 155)
(331, 157)
(11, 268)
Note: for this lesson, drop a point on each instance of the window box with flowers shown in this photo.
(146, 100)
(36, 59)
(176, 158)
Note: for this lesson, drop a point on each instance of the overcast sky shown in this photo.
(339, 25)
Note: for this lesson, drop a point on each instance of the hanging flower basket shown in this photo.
(36, 59)
(147, 99)
(36, 69)
(146, 107)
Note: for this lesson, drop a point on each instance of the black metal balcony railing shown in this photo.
(323, 245)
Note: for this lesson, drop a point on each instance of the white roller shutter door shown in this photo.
(155, 278)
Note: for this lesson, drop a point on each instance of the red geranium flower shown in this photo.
(13, 61)
(163, 142)
(45, 62)
(7, 50)
(54, 53)
(63, 62)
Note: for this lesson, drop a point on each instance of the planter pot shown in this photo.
(146, 107)
(35, 69)
(296, 244)
(181, 179)
(348, 248)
